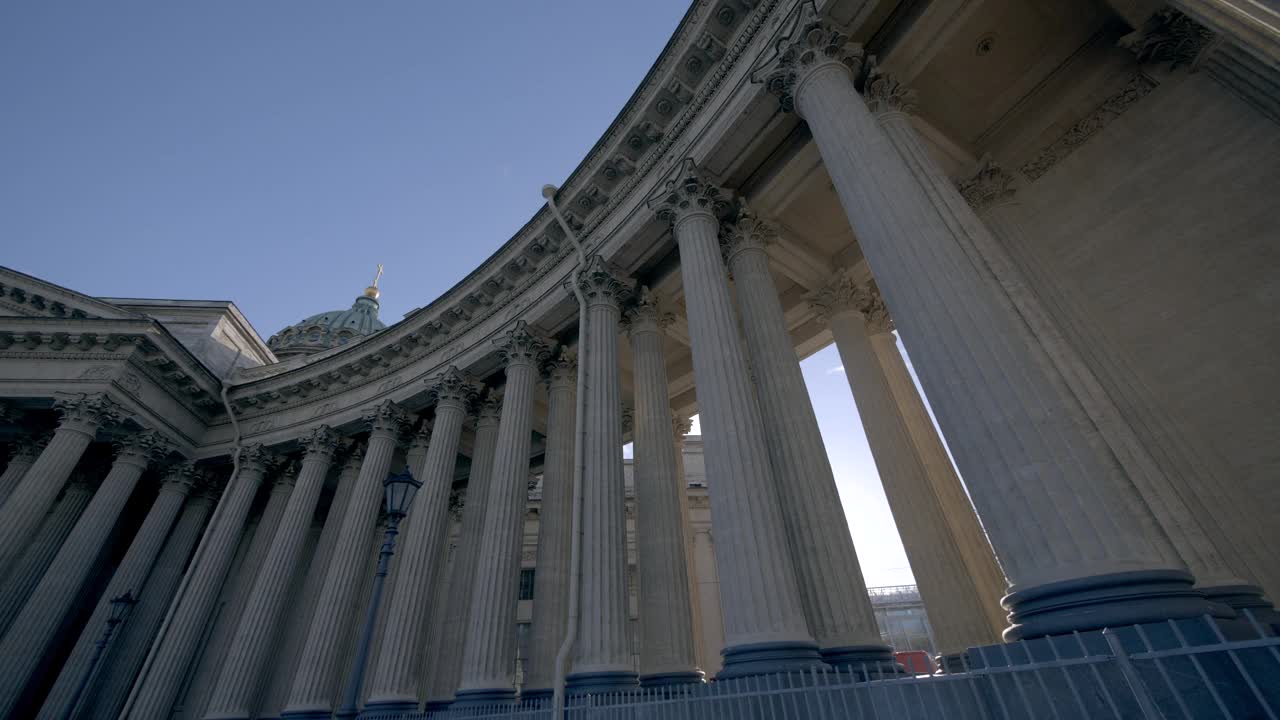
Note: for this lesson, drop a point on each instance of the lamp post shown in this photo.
(399, 491)
(120, 606)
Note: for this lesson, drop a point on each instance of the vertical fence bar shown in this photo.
(1097, 676)
(1164, 672)
(1066, 675)
(1195, 662)
(995, 687)
(1139, 688)
(1244, 672)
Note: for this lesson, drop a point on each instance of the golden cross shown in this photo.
(377, 277)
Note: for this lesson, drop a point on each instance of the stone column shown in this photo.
(601, 654)
(316, 679)
(680, 427)
(555, 525)
(462, 580)
(235, 693)
(48, 540)
(393, 686)
(25, 642)
(489, 658)
(128, 578)
(764, 621)
(666, 618)
(1181, 480)
(831, 585)
(111, 683)
(161, 677)
(22, 513)
(1080, 549)
(21, 460)
(962, 613)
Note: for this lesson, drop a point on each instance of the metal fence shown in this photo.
(1178, 671)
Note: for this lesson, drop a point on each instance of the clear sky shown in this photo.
(272, 153)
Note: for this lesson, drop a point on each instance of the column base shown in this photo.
(389, 707)
(1098, 601)
(1247, 605)
(599, 682)
(537, 693)
(484, 696)
(679, 677)
(227, 716)
(765, 658)
(868, 661)
(308, 714)
(950, 663)
(438, 705)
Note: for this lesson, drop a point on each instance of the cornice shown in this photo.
(33, 296)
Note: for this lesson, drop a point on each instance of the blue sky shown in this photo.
(272, 153)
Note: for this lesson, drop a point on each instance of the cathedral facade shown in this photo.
(1064, 210)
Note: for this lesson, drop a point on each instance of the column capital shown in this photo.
(257, 459)
(686, 193)
(354, 457)
(182, 477)
(884, 94)
(807, 42)
(844, 293)
(287, 475)
(208, 487)
(562, 369)
(457, 501)
(83, 482)
(321, 443)
(875, 312)
(602, 283)
(489, 407)
(28, 448)
(744, 233)
(681, 425)
(989, 186)
(421, 439)
(1168, 36)
(647, 312)
(142, 448)
(453, 388)
(521, 347)
(386, 419)
(86, 413)
(628, 419)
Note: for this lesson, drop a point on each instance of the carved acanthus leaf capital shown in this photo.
(387, 418)
(457, 501)
(687, 192)
(603, 284)
(523, 347)
(562, 369)
(321, 442)
(647, 312)
(86, 413)
(883, 93)
(1168, 36)
(453, 387)
(806, 43)
(745, 232)
(143, 448)
(354, 458)
(421, 439)
(183, 477)
(841, 294)
(681, 425)
(875, 312)
(257, 459)
(628, 419)
(28, 449)
(286, 475)
(990, 185)
(489, 408)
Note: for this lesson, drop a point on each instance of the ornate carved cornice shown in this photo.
(521, 347)
(806, 43)
(1168, 36)
(884, 94)
(143, 448)
(562, 369)
(453, 387)
(86, 413)
(320, 443)
(687, 192)
(989, 186)
(387, 418)
(647, 313)
(603, 284)
(744, 233)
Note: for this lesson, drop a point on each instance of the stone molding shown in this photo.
(1135, 88)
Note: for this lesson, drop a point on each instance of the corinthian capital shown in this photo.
(321, 443)
(522, 347)
(562, 369)
(806, 43)
(884, 94)
(681, 425)
(257, 459)
(875, 312)
(603, 284)
(842, 293)
(28, 449)
(387, 418)
(86, 413)
(687, 192)
(745, 232)
(489, 409)
(647, 313)
(183, 477)
(142, 448)
(989, 186)
(452, 387)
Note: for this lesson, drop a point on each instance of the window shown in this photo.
(526, 583)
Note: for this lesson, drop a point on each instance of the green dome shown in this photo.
(329, 329)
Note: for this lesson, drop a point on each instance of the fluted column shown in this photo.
(161, 677)
(43, 548)
(1079, 547)
(827, 570)
(962, 613)
(555, 521)
(315, 681)
(765, 628)
(602, 656)
(235, 693)
(129, 577)
(28, 637)
(111, 683)
(20, 461)
(667, 653)
(489, 658)
(1181, 479)
(393, 686)
(462, 579)
(22, 513)
(681, 424)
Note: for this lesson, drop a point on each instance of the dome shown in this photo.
(329, 329)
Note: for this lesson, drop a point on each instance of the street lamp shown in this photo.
(120, 606)
(399, 491)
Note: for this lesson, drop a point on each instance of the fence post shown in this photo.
(1131, 676)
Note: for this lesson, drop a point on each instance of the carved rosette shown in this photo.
(603, 284)
(257, 459)
(884, 94)
(989, 186)
(746, 232)
(386, 419)
(453, 387)
(562, 369)
(320, 443)
(522, 347)
(688, 193)
(810, 44)
(646, 313)
(183, 477)
(681, 425)
(86, 413)
(142, 448)
(489, 407)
